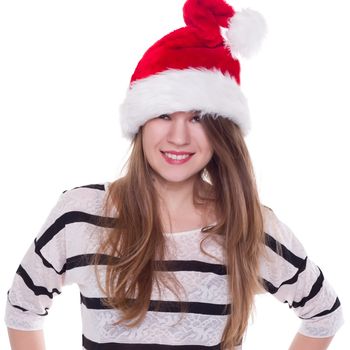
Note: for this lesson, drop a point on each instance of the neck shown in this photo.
(177, 208)
(175, 196)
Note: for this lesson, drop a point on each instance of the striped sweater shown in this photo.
(60, 256)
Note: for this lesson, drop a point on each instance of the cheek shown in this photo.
(150, 138)
(205, 142)
(209, 151)
(152, 130)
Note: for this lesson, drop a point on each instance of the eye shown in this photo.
(163, 116)
(197, 118)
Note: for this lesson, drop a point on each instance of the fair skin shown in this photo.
(26, 340)
(174, 183)
(301, 342)
(179, 131)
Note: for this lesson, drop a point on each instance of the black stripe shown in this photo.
(13, 305)
(90, 345)
(272, 289)
(86, 260)
(169, 265)
(314, 291)
(166, 306)
(37, 290)
(60, 223)
(70, 218)
(100, 187)
(283, 251)
(94, 303)
(25, 310)
(194, 265)
(335, 306)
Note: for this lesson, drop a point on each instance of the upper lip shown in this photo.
(178, 153)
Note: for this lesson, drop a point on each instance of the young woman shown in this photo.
(171, 255)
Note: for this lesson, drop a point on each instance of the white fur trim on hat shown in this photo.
(208, 91)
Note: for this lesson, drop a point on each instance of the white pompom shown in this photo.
(245, 33)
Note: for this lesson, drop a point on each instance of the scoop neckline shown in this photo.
(183, 232)
(199, 229)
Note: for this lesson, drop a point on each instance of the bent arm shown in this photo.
(38, 279)
(302, 342)
(293, 278)
(26, 340)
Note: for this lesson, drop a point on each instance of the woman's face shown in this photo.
(176, 146)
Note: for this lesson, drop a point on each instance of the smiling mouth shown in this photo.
(178, 152)
(180, 156)
(176, 159)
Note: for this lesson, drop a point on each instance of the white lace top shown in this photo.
(60, 256)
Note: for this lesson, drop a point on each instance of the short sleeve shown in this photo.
(293, 278)
(41, 273)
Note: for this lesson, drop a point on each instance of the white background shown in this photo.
(64, 69)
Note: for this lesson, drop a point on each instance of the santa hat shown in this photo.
(195, 68)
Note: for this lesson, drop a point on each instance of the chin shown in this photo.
(175, 178)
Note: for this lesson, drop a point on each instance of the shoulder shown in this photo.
(87, 198)
(278, 233)
(80, 205)
(284, 255)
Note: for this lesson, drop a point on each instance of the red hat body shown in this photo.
(182, 49)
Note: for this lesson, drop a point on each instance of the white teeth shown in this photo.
(173, 156)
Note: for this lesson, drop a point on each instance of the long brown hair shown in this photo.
(138, 242)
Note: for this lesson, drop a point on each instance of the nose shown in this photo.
(178, 132)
